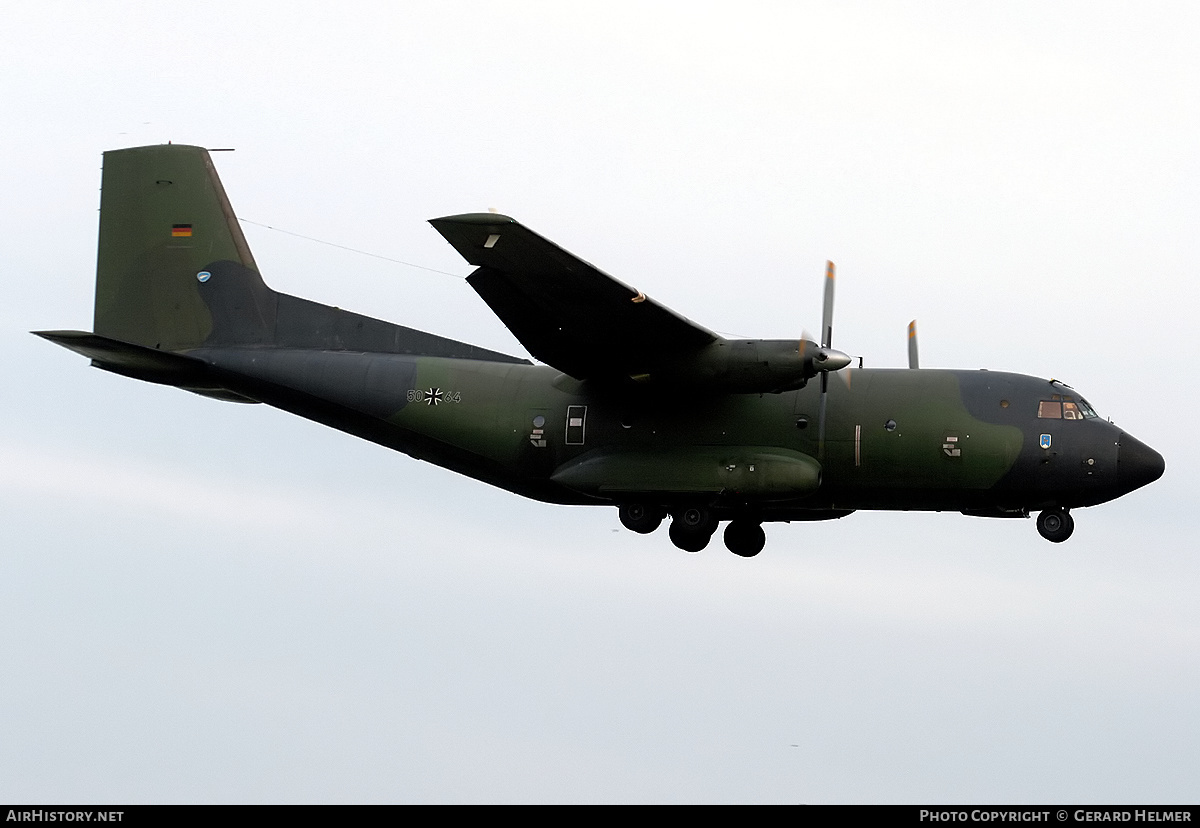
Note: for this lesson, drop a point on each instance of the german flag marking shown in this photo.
(181, 231)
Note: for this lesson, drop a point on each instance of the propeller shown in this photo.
(912, 345)
(826, 359)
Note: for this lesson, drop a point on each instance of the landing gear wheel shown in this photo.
(1055, 525)
(692, 529)
(638, 517)
(745, 538)
(697, 518)
(688, 539)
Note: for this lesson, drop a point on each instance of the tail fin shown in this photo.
(165, 222)
(174, 273)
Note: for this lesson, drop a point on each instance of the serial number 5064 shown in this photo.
(433, 396)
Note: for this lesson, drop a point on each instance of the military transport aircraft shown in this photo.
(634, 407)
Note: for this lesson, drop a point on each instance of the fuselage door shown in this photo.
(576, 431)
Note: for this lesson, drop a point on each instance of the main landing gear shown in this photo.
(1055, 525)
(692, 528)
(745, 537)
(640, 518)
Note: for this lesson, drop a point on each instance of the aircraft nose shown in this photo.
(1137, 463)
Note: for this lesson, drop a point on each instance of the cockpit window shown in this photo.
(1064, 408)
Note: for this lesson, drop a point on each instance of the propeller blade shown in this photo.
(821, 418)
(827, 312)
(827, 357)
(804, 340)
(912, 345)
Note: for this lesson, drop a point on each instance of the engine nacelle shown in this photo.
(752, 366)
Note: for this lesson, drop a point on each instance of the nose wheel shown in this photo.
(1055, 525)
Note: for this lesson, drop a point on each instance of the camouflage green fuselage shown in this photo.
(895, 439)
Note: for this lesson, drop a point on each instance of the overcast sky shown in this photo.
(207, 602)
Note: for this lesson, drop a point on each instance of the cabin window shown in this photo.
(1048, 410)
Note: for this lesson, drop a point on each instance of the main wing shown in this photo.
(566, 312)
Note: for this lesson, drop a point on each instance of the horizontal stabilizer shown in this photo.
(143, 363)
(126, 358)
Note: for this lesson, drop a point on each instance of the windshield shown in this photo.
(1065, 407)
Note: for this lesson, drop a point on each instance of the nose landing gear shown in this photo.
(1055, 525)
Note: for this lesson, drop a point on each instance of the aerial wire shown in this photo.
(351, 249)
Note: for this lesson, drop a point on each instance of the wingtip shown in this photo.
(473, 219)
